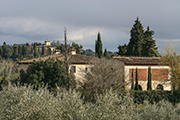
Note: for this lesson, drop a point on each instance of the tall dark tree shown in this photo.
(24, 50)
(19, 51)
(136, 84)
(122, 49)
(149, 87)
(136, 43)
(43, 50)
(35, 49)
(149, 47)
(15, 54)
(31, 50)
(98, 46)
(7, 51)
(106, 55)
(27, 44)
(132, 80)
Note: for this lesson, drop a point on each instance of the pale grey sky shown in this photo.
(30, 21)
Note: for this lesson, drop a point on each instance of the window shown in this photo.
(73, 68)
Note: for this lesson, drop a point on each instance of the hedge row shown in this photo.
(139, 96)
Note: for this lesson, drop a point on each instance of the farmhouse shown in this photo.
(159, 73)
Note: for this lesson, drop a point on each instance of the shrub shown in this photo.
(27, 103)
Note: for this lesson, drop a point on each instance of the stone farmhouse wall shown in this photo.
(159, 74)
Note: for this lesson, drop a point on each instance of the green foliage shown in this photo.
(43, 50)
(149, 47)
(136, 40)
(98, 46)
(106, 55)
(136, 83)
(26, 103)
(122, 50)
(35, 49)
(7, 51)
(141, 43)
(24, 50)
(21, 51)
(149, 86)
(49, 50)
(49, 72)
(132, 80)
(152, 96)
(8, 72)
(1, 51)
(88, 52)
(77, 47)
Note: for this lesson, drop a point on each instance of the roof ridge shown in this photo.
(136, 57)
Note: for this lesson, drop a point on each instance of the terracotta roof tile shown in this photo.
(139, 60)
(81, 59)
(28, 61)
(73, 59)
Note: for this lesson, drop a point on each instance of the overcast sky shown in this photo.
(31, 21)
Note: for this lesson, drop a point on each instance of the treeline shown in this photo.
(25, 51)
(22, 51)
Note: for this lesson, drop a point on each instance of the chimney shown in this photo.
(73, 51)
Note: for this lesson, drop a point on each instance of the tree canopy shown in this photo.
(52, 72)
(141, 43)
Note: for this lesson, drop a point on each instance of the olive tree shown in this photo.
(8, 72)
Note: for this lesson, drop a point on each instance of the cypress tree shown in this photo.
(149, 79)
(106, 55)
(43, 50)
(132, 80)
(137, 39)
(24, 50)
(35, 49)
(136, 84)
(31, 50)
(98, 46)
